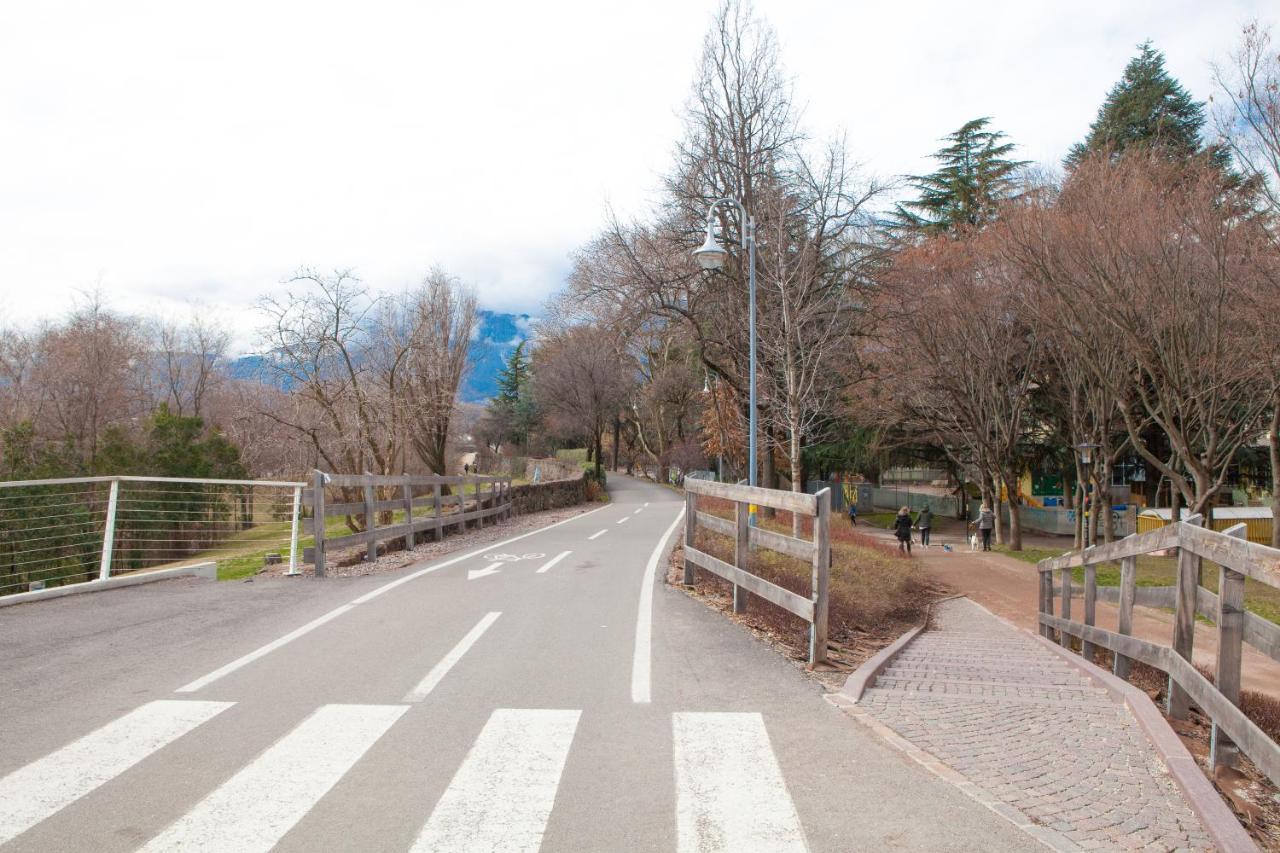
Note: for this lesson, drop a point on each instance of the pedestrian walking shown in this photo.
(924, 521)
(902, 527)
(853, 514)
(986, 523)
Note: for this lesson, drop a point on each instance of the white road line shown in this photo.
(441, 669)
(598, 533)
(206, 680)
(638, 511)
(503, 793)
(32, 793)
(730, 794)
(549, 563)
(641, 660)
(255, 808)
(623, 520)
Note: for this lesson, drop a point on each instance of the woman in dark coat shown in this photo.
(902, 528)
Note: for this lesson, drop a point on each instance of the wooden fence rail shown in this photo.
(818, 552)
(1236, 559)
(477, 498)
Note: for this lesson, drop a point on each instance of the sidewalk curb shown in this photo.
(864, 677)
(1218, 819)
(201, 570)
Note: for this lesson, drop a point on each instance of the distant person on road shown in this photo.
(853, 514)
(902, 527)
(924, 521)
(986, 522)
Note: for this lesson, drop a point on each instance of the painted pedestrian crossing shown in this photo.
(730, 793)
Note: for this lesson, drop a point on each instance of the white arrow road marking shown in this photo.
(730, 794)
(441, 669)
(205, 681)
(472, 574)
(641, 660)
(32, 793)
(598, 533)
(254, 809)
(549, 563)
(503, 793)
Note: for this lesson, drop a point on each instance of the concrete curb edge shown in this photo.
(1218, 819)
(864, 676)
(203, 570)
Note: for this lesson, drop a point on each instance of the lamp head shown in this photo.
(710, 254)
(1086, 452)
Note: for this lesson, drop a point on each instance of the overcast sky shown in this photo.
(172, 152)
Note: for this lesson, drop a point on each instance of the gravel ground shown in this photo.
(431, 550)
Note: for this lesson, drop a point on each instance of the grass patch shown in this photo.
(883, 520)
(875, 590)
(1163, 571)
(574, 454)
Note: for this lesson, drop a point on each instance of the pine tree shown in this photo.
(1147, 107)
(975, 176)
(513, 377)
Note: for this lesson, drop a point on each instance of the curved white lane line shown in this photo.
(642, 660)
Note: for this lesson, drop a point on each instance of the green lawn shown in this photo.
(1162, 571)
(883, 520)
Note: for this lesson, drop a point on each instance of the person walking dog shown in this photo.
(986, 523)
(924, 521)
(902, 527)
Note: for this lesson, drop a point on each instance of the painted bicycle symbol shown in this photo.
(512, 558)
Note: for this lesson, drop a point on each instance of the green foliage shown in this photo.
(1147, 108)
(23, 457)
(975, 175)
(512, 414)
(513, 378)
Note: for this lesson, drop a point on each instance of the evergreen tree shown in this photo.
(513, 377)
(1147, 107)
(974, 177)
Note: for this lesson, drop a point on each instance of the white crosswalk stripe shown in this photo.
(257, 806)
(502, 795)
(33, 793)
(730, 794)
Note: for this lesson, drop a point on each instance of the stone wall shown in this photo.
(552, 494)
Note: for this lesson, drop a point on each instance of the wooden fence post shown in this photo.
(821, 578)
(1184, 622)
(741, 552)
(435, 500)
(1064, 639)
(1090, 606)
(1124, 623)
(690, 531)
(1046, 587)
(317, 520)
(408, 514)
(1222, 752)
(370, 519)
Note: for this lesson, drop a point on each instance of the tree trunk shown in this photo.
(1273, 445)
(797, 480)
(599, 440)
(996, 506)
(617, 432)
(1015, 513)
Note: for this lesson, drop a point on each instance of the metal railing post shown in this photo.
(293, 531)
(109, 532)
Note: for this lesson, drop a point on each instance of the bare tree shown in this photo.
(580, 382)
(440, 317)
(1247, 116)
(192, 358)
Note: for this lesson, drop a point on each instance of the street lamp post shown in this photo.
(710, 256)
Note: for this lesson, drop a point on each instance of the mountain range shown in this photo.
(494, 337)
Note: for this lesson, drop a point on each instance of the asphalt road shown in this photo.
(467, 703)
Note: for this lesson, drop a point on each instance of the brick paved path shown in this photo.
(1036, 739)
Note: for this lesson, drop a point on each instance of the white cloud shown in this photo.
(171, 151)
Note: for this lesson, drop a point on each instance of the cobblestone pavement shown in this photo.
(1033, 735)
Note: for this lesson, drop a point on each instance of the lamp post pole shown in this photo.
(710, 256)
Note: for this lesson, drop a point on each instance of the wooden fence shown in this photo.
(1236, 558)
(471, 500)
(818, 552)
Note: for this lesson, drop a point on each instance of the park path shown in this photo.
(1030, 736)
(1007, 587)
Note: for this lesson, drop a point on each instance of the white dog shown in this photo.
(973, 541)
